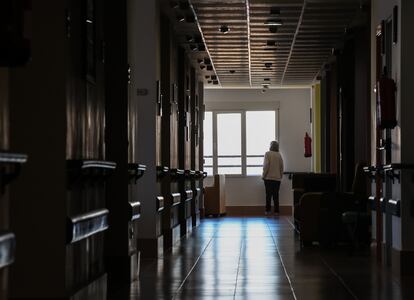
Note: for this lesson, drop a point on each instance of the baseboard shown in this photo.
(255, 210)
(151, 248)
(403, 262)
(122, 269)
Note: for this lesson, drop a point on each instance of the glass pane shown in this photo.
(209, 171)
(208, 133)
(208, 161)
(229, 170)
(255, 161)
(254, 170)
(229, 134)
(260, 131)
(229, 161)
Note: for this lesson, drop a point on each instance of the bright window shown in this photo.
(260, 131)
(229, 145)
(208, 142)
(235, 142)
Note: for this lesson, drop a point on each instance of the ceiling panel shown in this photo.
(248, 51)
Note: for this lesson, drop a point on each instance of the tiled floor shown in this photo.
(260, 258)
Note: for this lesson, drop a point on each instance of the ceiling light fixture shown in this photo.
(272, 29)
(224, 29)
(271, 43)
(274, 22)
(180, 18)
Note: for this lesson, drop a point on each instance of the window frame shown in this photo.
(244, 155)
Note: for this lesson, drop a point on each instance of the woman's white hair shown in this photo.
(274, 146)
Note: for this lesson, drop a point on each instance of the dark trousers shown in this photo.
(272, 191)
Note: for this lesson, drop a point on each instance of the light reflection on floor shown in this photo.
(259, 258)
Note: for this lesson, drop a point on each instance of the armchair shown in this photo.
(215, 197)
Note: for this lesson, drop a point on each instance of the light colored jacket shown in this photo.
(272, 166)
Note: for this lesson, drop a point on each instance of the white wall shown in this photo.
(294, 113)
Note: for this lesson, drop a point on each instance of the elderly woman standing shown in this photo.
(272, 175)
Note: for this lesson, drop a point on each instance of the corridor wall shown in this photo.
(397, 237)
(57, 113)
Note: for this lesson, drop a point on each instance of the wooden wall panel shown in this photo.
(4, 145)
(4, 108)
(85, 132)
(174, 105)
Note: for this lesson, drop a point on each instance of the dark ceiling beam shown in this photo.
(249, 40)
(294, 39)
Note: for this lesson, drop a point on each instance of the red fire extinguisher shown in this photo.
(308, 145)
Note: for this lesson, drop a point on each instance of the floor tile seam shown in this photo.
(192, 268)
(283, 265)
(238, 269)
(290, 223)
(327, 265)
(341, 280)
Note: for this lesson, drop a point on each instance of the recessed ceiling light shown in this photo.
(224, 29)
(274, 22)
(180, 18)
(273, 29)
(271, 43)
